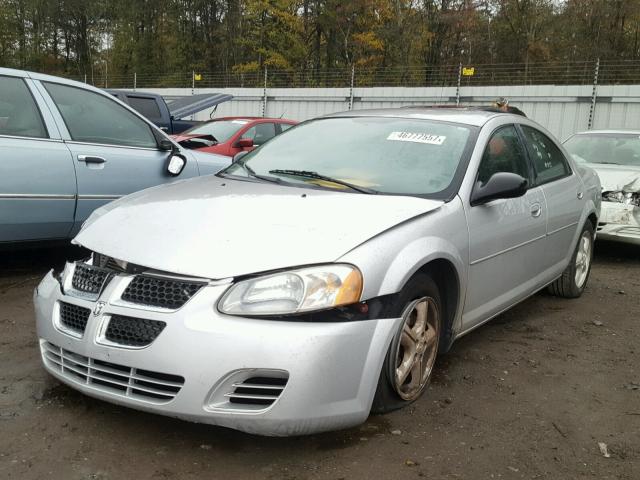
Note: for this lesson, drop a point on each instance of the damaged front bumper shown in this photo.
(619, 222)
(260, 376)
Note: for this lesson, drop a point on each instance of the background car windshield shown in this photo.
(221, 130)
(620, 149)
(390, 155)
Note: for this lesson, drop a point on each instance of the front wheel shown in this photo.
(573, 280)
(410, 359)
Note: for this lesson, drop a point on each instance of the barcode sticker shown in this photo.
(417, 138)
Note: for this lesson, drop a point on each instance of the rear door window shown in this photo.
(19, 114)
(146, 106)
(548, 161)
(94, 118)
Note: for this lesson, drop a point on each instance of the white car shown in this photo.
(317, 278)
(615, 156)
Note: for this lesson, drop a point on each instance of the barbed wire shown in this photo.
(556, 73)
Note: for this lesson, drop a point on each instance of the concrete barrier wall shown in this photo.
(563, 109)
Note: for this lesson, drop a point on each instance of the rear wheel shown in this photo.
(412, 354)
(573, 280)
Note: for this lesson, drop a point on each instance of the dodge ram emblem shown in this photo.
(98, 308)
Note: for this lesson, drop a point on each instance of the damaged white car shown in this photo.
(615, 156)
(317, 278)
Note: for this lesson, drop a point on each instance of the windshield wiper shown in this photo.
(251, 172)
(317, 176)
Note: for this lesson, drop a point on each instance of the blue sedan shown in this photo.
(67, 148)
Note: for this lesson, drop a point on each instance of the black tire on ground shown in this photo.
(419, 286)
(566, 285)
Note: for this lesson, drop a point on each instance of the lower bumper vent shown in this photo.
(74, 317)
(263, 391)
(109, 377)
(133, 332)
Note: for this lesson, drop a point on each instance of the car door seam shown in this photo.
(506, 250)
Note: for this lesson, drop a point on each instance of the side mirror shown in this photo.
(165, 144)
(500, 185)
(238, 156)
(244, 143)
(176, 164)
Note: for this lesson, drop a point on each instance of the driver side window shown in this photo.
(94, 118)
(504, 153)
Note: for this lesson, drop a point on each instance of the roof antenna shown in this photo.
(282, 115)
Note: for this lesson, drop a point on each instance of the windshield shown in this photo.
(221, 130)
(388, 155)
(613, 148)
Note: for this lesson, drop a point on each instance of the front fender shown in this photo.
(389, 260)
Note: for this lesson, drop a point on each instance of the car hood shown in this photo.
(618, 177)
(185, 106)
(217, 228)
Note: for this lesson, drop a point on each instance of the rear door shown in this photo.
(114, 150)
(563, 191)
(37, 180)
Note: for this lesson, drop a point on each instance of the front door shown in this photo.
(37, 177)
(115, 151)
(506, 236)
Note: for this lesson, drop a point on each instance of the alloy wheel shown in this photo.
(583, 259)
(417, 349)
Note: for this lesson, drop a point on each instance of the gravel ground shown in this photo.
(529, 395)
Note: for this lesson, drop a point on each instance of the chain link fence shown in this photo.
(496, 74)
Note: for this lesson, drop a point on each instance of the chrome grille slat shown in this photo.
(257, 385)
(252, 396)
(257, 392)
(114, 378)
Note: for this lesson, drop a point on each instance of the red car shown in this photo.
(231, 135)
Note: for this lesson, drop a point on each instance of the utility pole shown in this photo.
(353, 77)
(264, 94)
(594, 95)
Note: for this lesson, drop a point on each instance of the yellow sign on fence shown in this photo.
(468, 71)
(197, 77)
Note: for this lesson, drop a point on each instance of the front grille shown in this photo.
(109, 377)
(133, 332)
(89, 279)
(74, 317)
(262, 391)
(160, 292)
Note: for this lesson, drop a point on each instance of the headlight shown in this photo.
(628, 198)
(294, 291)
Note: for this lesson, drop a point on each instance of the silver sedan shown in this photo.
(316, 279)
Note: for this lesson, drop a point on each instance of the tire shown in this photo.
(420, 342)
(574, 279)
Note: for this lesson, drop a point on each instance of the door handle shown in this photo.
(536, 210)
(91, 159)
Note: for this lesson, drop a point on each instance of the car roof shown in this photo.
(463, 115)
(253, 119)
(613, 131)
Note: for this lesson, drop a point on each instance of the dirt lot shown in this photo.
(530, 395)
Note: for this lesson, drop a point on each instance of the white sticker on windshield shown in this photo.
(417, 137)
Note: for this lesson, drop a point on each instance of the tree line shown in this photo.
(154, 37)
